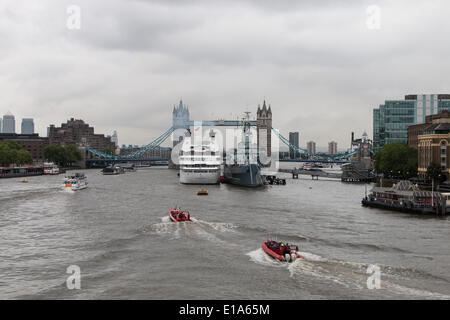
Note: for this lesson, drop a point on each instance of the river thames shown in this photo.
(118, 233)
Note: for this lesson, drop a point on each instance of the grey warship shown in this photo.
(244, 169)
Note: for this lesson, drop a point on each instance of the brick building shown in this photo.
(415, 130)
(433, 146)
(30, 142)
(76, 131)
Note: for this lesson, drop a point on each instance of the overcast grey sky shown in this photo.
(316, 62)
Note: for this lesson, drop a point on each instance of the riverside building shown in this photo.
(433, 146)
(392, 119)
(33, 143)
(76, 131)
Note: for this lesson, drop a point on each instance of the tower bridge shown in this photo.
(181, 122)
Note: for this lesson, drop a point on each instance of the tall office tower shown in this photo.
(311, 147)
(114, 138)
(332, 147)
(1, 120)
(392, 119)
(27, 126)
(9, 123)
(293, 141)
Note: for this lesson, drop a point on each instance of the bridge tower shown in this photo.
(264, 129)
(180, 116)
(180, 123)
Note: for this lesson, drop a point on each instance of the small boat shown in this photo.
(24, 180)
(113, 170)
(131, 168)
(76, 182)
(51, 169)
(281, 251)
(178, 215)
(202, 193)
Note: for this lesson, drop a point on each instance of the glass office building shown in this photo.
(27, 126)
(392, 119)
(9, 123)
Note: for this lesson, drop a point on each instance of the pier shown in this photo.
(315, 174)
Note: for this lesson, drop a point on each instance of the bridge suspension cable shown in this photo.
(286, 142)
(135, 154)
(340, 156)
(152, 145)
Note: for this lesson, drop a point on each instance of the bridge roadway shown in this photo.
(166, 160)
(315, 173)
(327, 160)
(220, 123)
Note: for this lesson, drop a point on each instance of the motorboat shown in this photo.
(113, 170)
(178, 215)
(281, 251)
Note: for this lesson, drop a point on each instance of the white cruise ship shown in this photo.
(200, 163)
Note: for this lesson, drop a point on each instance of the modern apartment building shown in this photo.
(332, 147)
(311, 147)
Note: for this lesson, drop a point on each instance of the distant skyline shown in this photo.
(317, 63)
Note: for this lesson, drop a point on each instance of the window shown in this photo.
(443, 155)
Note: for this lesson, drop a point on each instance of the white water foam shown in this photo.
(311, 256)
(219, 226)
(352, 274)
(165, 219)
(413, 292)
(197, 228)
(311, 267)
(260, 257)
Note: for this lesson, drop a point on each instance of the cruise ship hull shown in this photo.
(200, 177)
(243, 175)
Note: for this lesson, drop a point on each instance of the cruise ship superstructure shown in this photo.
(200, 163)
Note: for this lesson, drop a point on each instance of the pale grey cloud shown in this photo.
(316, 62)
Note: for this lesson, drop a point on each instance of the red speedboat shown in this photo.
(281, 251)
(178, 215)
